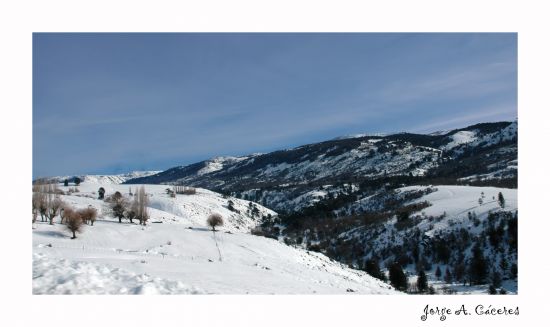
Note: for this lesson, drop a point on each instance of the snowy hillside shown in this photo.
(423, 227)
(188, 210)
(284, 180)
(456, 201)
(443, 204)
(177, 254)
(107, 179)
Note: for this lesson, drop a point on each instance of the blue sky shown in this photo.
(111, 103)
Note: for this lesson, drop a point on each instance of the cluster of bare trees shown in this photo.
(179, 189)
(74, 219)
(135, 209)
(46, 202)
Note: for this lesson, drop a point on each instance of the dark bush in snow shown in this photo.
(214, 220)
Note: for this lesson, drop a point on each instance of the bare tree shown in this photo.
(180, 189)
(130, 214)
(214, 220)
(140, 206)
(88, 215)
(65, 212)
(119, 206)
(36, 199)
(39, 200)
(54, 206)
(73, 221)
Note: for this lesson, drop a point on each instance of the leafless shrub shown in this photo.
(88, 215)
(73, 221)
(214, 220)
(54, 206)
(65, 212)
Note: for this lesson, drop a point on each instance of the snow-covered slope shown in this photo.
(460, 137)
(284, 180)
(177, 254)
(188, 210)
(456, 201)
(456, 218)
(108, 179)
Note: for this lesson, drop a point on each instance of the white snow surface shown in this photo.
(456, 201)
(217, 163)
(181, 255)
(460, 137)
(110, 179)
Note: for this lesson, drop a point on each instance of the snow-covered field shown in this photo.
(456, 201)
(177, 254)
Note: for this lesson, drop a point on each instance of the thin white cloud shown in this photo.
(472, 116)
(461, 83)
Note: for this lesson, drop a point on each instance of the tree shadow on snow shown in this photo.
(201, 229)
(51, 234)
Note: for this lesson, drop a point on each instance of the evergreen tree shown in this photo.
(422, 282)
(501, 201)
(459, 271)
(231, 205)
(372, 268)
(398, 279)
(448, 276)
(101, 193)
(496, 279)
(478, 266)
(66, 182)
(514, 270)
(504, 265)
(492, 290)
(438, 273)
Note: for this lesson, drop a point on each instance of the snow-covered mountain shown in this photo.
(106, 179)
(485, 154)
(177, 254)
(444, 203)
